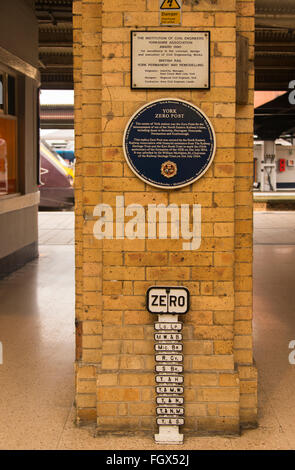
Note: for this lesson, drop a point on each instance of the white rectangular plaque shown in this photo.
(173, 379)
(168, 347)
(173, 410)
(169, 357)
(170, 59)
(170, 421)
(177, 326)
(169, 389)
(170, 400)
(169, 368)
(168, 336)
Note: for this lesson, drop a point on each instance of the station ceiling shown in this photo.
(275, 119)
(55, 43)
(274, 43)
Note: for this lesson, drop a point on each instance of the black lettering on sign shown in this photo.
(181, 301)
(155, 298)
(172, 300)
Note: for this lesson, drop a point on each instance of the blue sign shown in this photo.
(169, 143)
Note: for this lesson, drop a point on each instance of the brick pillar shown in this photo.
(115, 346)
(87, 78)
(243, 341)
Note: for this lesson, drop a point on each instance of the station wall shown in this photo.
(284, 179)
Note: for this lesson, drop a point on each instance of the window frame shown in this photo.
(5, 72)
(3, 92)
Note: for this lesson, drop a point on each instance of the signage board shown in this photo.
(168, 300)
(170, 59)
(168, 326)
(169, 389)
(168, 347)
(170, 400)
(170, 12)
(174, 379)
(169, 143)
(173, 410)
(169, 368)
(169, 357)
(168, 336)
(170, 421)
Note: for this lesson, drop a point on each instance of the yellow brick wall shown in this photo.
(87, 78)
(243, 340)
(115, 347)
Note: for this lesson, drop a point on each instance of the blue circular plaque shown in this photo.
(169, 143)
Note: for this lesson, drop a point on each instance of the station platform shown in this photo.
(37, 333)
(274, 200)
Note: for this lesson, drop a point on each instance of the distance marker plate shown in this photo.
(170, 421)
(168, 336)
(169, 379)
(168, 347)
(169, 368)
(168, 389)
(169, 357)
(170, 400)
(167, 326)
(173, 410)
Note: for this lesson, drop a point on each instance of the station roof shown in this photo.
(274, 119)
(274, 43)
(55, 43)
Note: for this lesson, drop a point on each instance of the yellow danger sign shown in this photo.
(170, 12)
(170, 18)
(170, 5)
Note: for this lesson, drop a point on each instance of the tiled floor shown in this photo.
(56, 228)
(272, 228)
(37, 332)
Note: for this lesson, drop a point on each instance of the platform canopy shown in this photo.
(274, 43)
(274, 119)
(55, 43)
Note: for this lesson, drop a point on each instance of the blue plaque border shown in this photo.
(167, 101)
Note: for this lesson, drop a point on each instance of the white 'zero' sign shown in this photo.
(168, 300)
